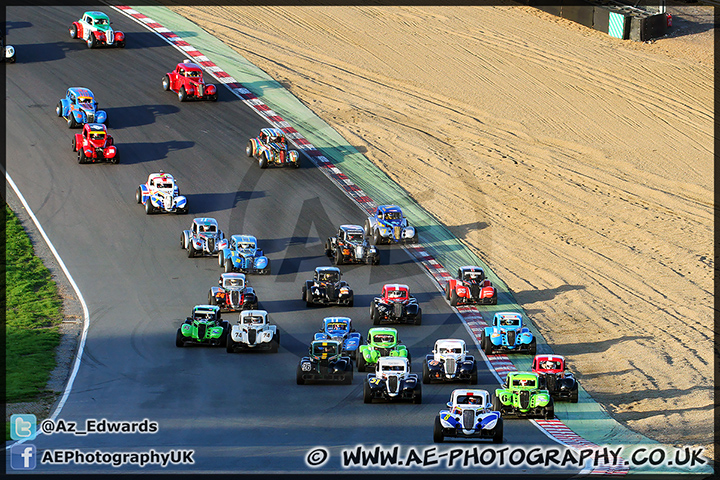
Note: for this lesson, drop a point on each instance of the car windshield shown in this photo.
(246, 246)
(163, 185)
(355, 237)
(205, 315)
(253, 319)
(396, 294)
(319, 349)
(469, 400)
(97, 135)
(206, 228)
(393, 368)
(392, 215)
(551, 365)
(101, 21)
(450, 350)
(337, 327)
(328, 277)
(473, 276)
(84, 99)
(524, 382)
(277, 139)
(383, 338)
(509, 322)
(192, 73)
(234, 282)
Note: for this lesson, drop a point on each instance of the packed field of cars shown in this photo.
(336, 350)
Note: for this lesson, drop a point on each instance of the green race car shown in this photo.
(522, 396)
(205, 327)
(381, 342)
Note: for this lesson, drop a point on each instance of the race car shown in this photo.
(253, 332)
(392, 381)
(270, 148)
(95, 29)
(381, 342)
(522, 396)
(341, 330)
(233, 294)
(161, 194)
(388, 225)
(395, 305)
(205, 327)
(202, 238)
(507, 334)
(470, 287)
(240, 254)
(95, 144)
(325, 363)
(327, 288)
(187, 81)
(449, 362)
(349, 245)
(79, 107)
(8, 51)
(469, 415)
(561, 384)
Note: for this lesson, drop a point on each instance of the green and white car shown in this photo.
(381, 342)
(205, 327)
(94, 27)
(521, 396)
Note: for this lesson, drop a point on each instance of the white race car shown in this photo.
(470, 415)
(252, 331)
(161, 194)
(202, 238)
(450, 361)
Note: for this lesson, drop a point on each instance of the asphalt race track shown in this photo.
(241, 412)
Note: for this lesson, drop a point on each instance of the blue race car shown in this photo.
(340, 329)
(507, 333)
(388, 225)
(79, 107)
(240, 254)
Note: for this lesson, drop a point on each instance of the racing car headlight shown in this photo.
(495, 334)
(344, 291)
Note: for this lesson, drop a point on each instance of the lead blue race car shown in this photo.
(341, 329)
(240, 254)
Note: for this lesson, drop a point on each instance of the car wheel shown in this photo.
(225, 334)
(376, 237)
(229, 343)
(221, 258)
(496, 403)
(348, 376)
(121, 44)
(308, 298)
(91, 41)
(533, 347)
(374, 314)
(228, 265)
(418, 317)
(488, 348)
(376, 259)
(59, 109)
(191, 247)
(71, 121)
(550, 410)
(179, 338)
(367, 227)
(361, 364)
(299, 376)
(367, 393)
(182, 94)
(474, 375)
(453, 298)
(211, 299)
(116, 159)
(426, 374)
(417, 394)
(498, 435)
(81, 156)
(574, 396)
(74, 145)
(447, 291)
(73, 31)
(214, 97)
(263, 160)
(338, 257)
(149, 207)
(138, 199)
(166, 83)
(249, 150)
(438, 436)
(351, 302)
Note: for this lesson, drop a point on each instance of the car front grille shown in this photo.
(211, 244)
(398, 310)
(468, 419)
(202, 330)
(450, 366)
(393, 384)
(551, 382)
(234, 298)
(524, 399)
(511, 338)
(252, 336)
(397, 231)
(475, 290)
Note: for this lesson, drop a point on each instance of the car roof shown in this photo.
(449, 341)
(337, 319)
(96, 14)
(273, 132)
(81, 92)
(375, 330)
(352, 228)
(193, 67)
(244, 238)
(389, 208)
(205, 221)
(470, 392)
(396, 286)
(96, 127)
(502, 315)
(253, 313)
(232, 275)
(333, 342)
(207, 308)
(472, 268)
(327, 269)
(163, 175)
(551, 357)
(522, 375)
(393, 361)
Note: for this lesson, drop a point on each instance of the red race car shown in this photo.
(395, 306)
(553, 377)
(187, 81)
(470, 287)
(94, 144)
